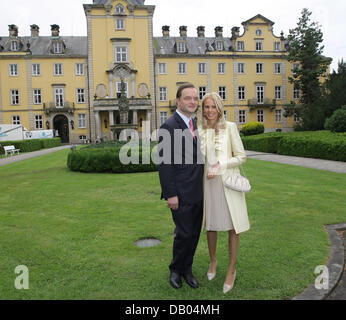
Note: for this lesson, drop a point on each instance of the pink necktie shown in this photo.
(191, 129)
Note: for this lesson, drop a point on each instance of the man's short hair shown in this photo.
(182, 87)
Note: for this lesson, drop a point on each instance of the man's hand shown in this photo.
(213, 171)
(173, 203)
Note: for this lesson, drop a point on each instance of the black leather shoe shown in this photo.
(175, 280)
(191, 280)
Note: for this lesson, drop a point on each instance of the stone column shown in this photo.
(135, 118)
(98, 125)
(111, 123)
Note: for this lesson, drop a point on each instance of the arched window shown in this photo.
(119, 9)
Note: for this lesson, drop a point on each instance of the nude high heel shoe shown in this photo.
(227, 287)
(211, 275)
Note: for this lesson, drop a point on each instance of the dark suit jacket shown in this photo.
(181, 177)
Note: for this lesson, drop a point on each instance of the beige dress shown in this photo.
(217, 215)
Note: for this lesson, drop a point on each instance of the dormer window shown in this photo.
(57, 47)
(14, 46)
(181, 47)
(119, 9)
(219, 45)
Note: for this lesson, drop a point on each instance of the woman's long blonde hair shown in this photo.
(221, 122)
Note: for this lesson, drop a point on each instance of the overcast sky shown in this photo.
(69, 14)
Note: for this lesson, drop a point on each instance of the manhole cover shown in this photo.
(145, 243)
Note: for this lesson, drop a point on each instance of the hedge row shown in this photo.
(106, 159)
(314, 144)
(31, 144)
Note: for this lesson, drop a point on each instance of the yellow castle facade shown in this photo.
(74, 84)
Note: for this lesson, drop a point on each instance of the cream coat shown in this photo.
(230, 153)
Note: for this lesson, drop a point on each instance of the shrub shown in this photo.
(252, 128)
(31, 144)
(105, 158)
(267, 142)
(337, 122)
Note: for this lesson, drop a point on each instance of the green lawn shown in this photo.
(76, 232)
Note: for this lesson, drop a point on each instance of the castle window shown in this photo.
(14, 46)
(80, 96)
(119, 9)
(240, 45)
(181, 47)
(259, 46)
(37, 96)
(121, 54)
(277, 68)
(241, 68)
(120, 24)
(258, 32)
(201, 68)
(59, 97)
(16, 120)
(58, 69)
(221, 68)
(79, 69)
(162, 68)
(202, 91)
(259, 68)
(57, 47)
(278, 92)
(163, 93)
(242, 116)
(219, 45)
(222, 93)
(260, 116)
(36, 69)
(182, 68)
(82, 120)
(118, 88)
(241, 93)
(163, 117)
(38, 122)
(14, 97)
(276, 46)
(13, 70)
(278, 115)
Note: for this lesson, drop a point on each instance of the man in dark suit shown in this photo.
(181, 178)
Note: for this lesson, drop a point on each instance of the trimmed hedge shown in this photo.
(310, 144)
(105, 158)
(30, 145)
(337, 122)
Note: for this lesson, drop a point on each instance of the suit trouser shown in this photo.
(188, 221)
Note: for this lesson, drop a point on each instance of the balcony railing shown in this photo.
(53, 107)
(266, 102)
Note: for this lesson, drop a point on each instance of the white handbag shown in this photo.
(237, 182)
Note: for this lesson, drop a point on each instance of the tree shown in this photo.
(336, 89)
(305, 48)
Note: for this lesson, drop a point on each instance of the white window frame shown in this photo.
(241, 93)
(259, 45)
(119, 9)
(260, 114)
(59, 97)
(57, 47)
(277, 67)
(276, 46)
(162, 93)
(13, 69)
(121, 54)
(242, 116)
(202, 68)
(163, 117)
(81, 121)
(181, 47)
(36, 69)
(15, 97)
(296, 93)
(240, 45)
(202, 90)
(182, 68)
(259, 68)
(58, 69)
(79, 69)
(219, 45)
(278, 92)
(278, 115)
(80, 94)
(241, 67)
(260, 94)
(119, 24)
(38, 122)
(14, 45)
(162, 67)
(295, 67)
(258, 32)
(118, 89)
(296, 118)
(37, 95)
(221, 67)
(16, 120)
(222, 92)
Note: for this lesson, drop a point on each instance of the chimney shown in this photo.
(183, 31)
(235, 32)
(200, 32)
(35, 30)
(218, 32)
(55, 30)
(13, 30)
(165, 31)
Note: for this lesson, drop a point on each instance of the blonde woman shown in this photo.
(224, 209)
